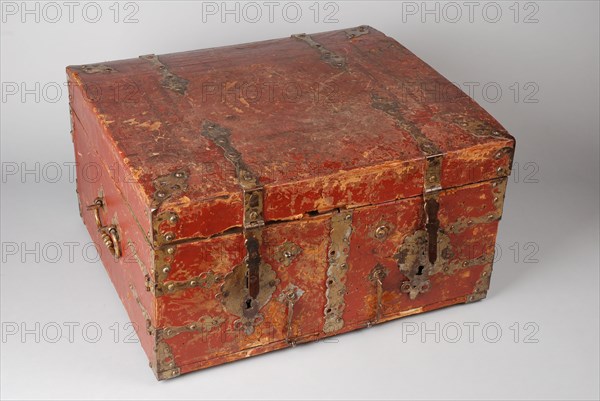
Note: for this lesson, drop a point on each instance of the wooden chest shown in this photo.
(252, 197)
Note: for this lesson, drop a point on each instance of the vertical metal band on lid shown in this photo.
(258, 279)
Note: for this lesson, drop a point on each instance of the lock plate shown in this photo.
(414, 261)
(236, 298)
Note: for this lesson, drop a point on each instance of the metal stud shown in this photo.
(381, 232)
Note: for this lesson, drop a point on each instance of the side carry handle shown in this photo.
(108, 234)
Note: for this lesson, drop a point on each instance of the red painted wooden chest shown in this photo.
(248, 198)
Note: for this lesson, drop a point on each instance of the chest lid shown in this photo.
(213, 140)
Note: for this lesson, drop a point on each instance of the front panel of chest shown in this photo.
(328, 274)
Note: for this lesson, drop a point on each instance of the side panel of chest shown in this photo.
(128, 256)
(325, 275)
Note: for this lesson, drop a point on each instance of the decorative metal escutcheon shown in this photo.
(236, 298)
(414, 262)
(287, 252)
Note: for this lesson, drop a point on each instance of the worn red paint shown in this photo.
(326, 148)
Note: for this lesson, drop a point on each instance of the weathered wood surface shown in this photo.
(326, 123)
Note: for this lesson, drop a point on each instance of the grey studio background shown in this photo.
(531, 64)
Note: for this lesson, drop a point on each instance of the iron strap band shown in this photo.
(253, 198)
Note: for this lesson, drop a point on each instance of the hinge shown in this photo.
(328, 56)
(253, 208)
(356, 32)
(433, 173)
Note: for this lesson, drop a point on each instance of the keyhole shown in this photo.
(420, 270)
(249, 303)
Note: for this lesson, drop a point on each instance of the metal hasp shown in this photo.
(290, 296)
(252, 229)
(427, 251)
(432, 225)
(252, 263)
(377, 275)
(250, 285)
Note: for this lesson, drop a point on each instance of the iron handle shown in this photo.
(108, 234)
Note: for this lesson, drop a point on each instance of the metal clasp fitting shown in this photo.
(432, 225)
(427, 251)
(253, 223)
(108, 234)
